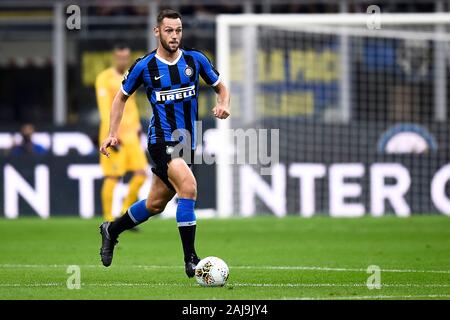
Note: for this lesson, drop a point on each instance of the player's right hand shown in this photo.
(109, 142)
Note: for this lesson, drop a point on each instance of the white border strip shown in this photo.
(186, 224)
(124, 92)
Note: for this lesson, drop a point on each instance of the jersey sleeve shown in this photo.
(207, 70)
(133, 78)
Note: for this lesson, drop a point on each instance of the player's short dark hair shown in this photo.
(167, 13)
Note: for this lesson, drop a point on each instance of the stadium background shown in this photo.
(393, 89)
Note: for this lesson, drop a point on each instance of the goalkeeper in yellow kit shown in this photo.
(128, 156)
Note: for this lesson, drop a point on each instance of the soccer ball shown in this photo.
(211, 272)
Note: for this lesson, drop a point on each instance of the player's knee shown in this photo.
(189, 189)
(155, 207)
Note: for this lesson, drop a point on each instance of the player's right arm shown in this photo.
(117, 108)
(132, 80)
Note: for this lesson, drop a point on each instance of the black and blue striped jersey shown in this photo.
(172, 89)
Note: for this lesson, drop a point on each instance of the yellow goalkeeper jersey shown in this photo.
(107, 84)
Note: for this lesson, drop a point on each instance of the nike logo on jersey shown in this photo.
(157, 78)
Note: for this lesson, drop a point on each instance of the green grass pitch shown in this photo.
(269, 258)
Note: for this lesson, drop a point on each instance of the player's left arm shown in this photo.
(212, 78)
(222, 108)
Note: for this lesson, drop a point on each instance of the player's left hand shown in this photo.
(221, 111)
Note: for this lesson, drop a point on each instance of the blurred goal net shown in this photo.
(358, 111)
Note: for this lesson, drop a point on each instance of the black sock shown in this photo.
(120, 225)
(187, 235)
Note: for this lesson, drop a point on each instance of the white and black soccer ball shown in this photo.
(212, 272)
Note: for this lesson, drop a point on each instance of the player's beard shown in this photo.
(167, 47)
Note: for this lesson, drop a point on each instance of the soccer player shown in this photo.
(170, 76)
(127, 155)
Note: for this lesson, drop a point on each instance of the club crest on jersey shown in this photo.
(175, 94)
(188, 71)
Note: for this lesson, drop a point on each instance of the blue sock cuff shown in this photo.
(138, 212)
(185, 212)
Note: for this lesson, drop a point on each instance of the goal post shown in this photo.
(330, 77)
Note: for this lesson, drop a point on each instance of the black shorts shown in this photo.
(161, 154)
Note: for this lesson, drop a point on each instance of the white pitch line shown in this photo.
(10, 265)
(50, 284)
(302, 268)
(19, 265)
(313, 268)
(318, 285)
(268, 285)
(116, 284)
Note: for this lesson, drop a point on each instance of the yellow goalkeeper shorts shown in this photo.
(128, 156)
